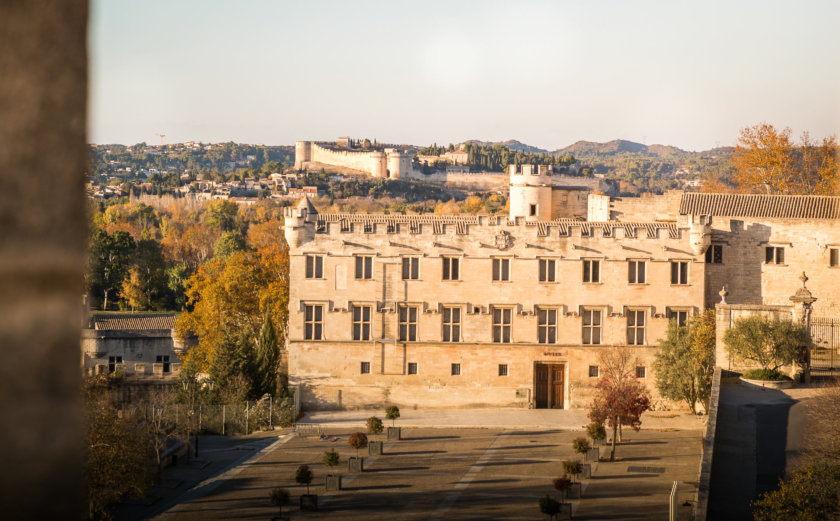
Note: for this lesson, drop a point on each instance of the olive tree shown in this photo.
(685, 361)
(770, 343)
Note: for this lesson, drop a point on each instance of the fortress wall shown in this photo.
(648, 207)
(355, 160)
(567, 203)
(476, 181)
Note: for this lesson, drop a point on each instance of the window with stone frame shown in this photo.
(364, 267)
(635, 327)
(546, 325)
(313, 322)
(164, 359)
(774, 255)
(503, 369)
(314, 266)
(451, 317)
(834, 257)
(501, 269)
(591, 271)
(412, 368)
(407, 323)
(636, 271)
(548, 271)
(451, 268)
(641, 371)
(502, 321)
(455, 370)
(679, 273)
(680, 316)
(410, 268)
(594, 371)
(361, 322)
(113, 363)
(714, 254)
(592, 326)
(364, 368)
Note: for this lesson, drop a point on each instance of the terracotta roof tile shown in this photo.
(123, 322)
(761, 206)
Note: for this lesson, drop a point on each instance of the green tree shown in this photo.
(810, 494)
(109, 260)
(685, 360)
(267, 356)
(228, 244)
(770, 343)
(132, 290)
(234, 363)
(222, 214)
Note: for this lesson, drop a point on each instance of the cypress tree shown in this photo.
(267, 356)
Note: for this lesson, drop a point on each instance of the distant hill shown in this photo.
(516, 146)
(610, 147)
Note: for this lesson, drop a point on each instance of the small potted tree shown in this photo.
(279, 497)
(549, 506)
(562, 485)
(333, 481)
(573, 468)
(769, 344)
(357, 441)
(303, 476)
(392, 412)
(374, 426)
(581, 446)
(597, 432)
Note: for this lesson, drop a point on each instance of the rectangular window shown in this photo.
(456, 369)
(412, 368)
(679, 272)
(408, 323)
(592, 326)
(774, 255)
(369, 228)
(591, 271)
(451, 324)
(501, 269)
(641, 372)
(503, 370)
(364, 267)
(636, 272)
(410, 268)
(314, 266)
(547, 271)
(113, 361)
(365, 368)
(313, 322)
(834, 257)
(361, 322)
(714, 254)
(636, 327)
(164, 359)
(680, 316)
(450, 268)
(593, 371)
(532, 210)
(547, 326)
(502, 318)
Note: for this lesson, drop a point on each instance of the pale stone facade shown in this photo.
(387, 164)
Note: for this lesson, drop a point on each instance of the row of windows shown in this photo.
(115, 361)
(450, 269)
(502, 322)
(455, 370)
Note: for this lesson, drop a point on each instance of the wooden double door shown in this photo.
(550, 381)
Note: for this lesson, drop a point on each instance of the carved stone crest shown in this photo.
(503, 240)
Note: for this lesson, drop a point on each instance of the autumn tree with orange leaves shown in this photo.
(768, 161)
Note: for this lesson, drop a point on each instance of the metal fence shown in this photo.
(825, 348)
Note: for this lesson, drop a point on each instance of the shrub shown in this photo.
(765, 374)
(303, 476)
(562, 484)
(809, 494)
(596, 431)
(573, 468)
(279, 497)
(392, 412)
(330, 458)
(581, 445)
(358, 440)
(549, 506)
(374, 425)
(770, 343)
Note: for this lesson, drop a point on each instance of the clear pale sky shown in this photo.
(689, 74)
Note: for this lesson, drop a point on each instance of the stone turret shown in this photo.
(378, 165)
(399, 165)
(299, 225)
(303, 153)
(699, 233)
(530, 192)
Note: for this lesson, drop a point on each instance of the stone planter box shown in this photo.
(375, 448)
(593, 455)
(768, 384)
(565, 511)
(585, 471)
(333, 482)
(598, 443)
(394, 433)
(573, 492)
(356, 464)
(309, 502)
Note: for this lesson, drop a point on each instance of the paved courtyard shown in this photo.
(456, 473)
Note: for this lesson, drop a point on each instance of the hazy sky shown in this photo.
(689, 74)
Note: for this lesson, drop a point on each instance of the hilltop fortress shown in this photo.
(389, 163)
(483, 310)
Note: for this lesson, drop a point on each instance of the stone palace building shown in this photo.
(470, 311)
